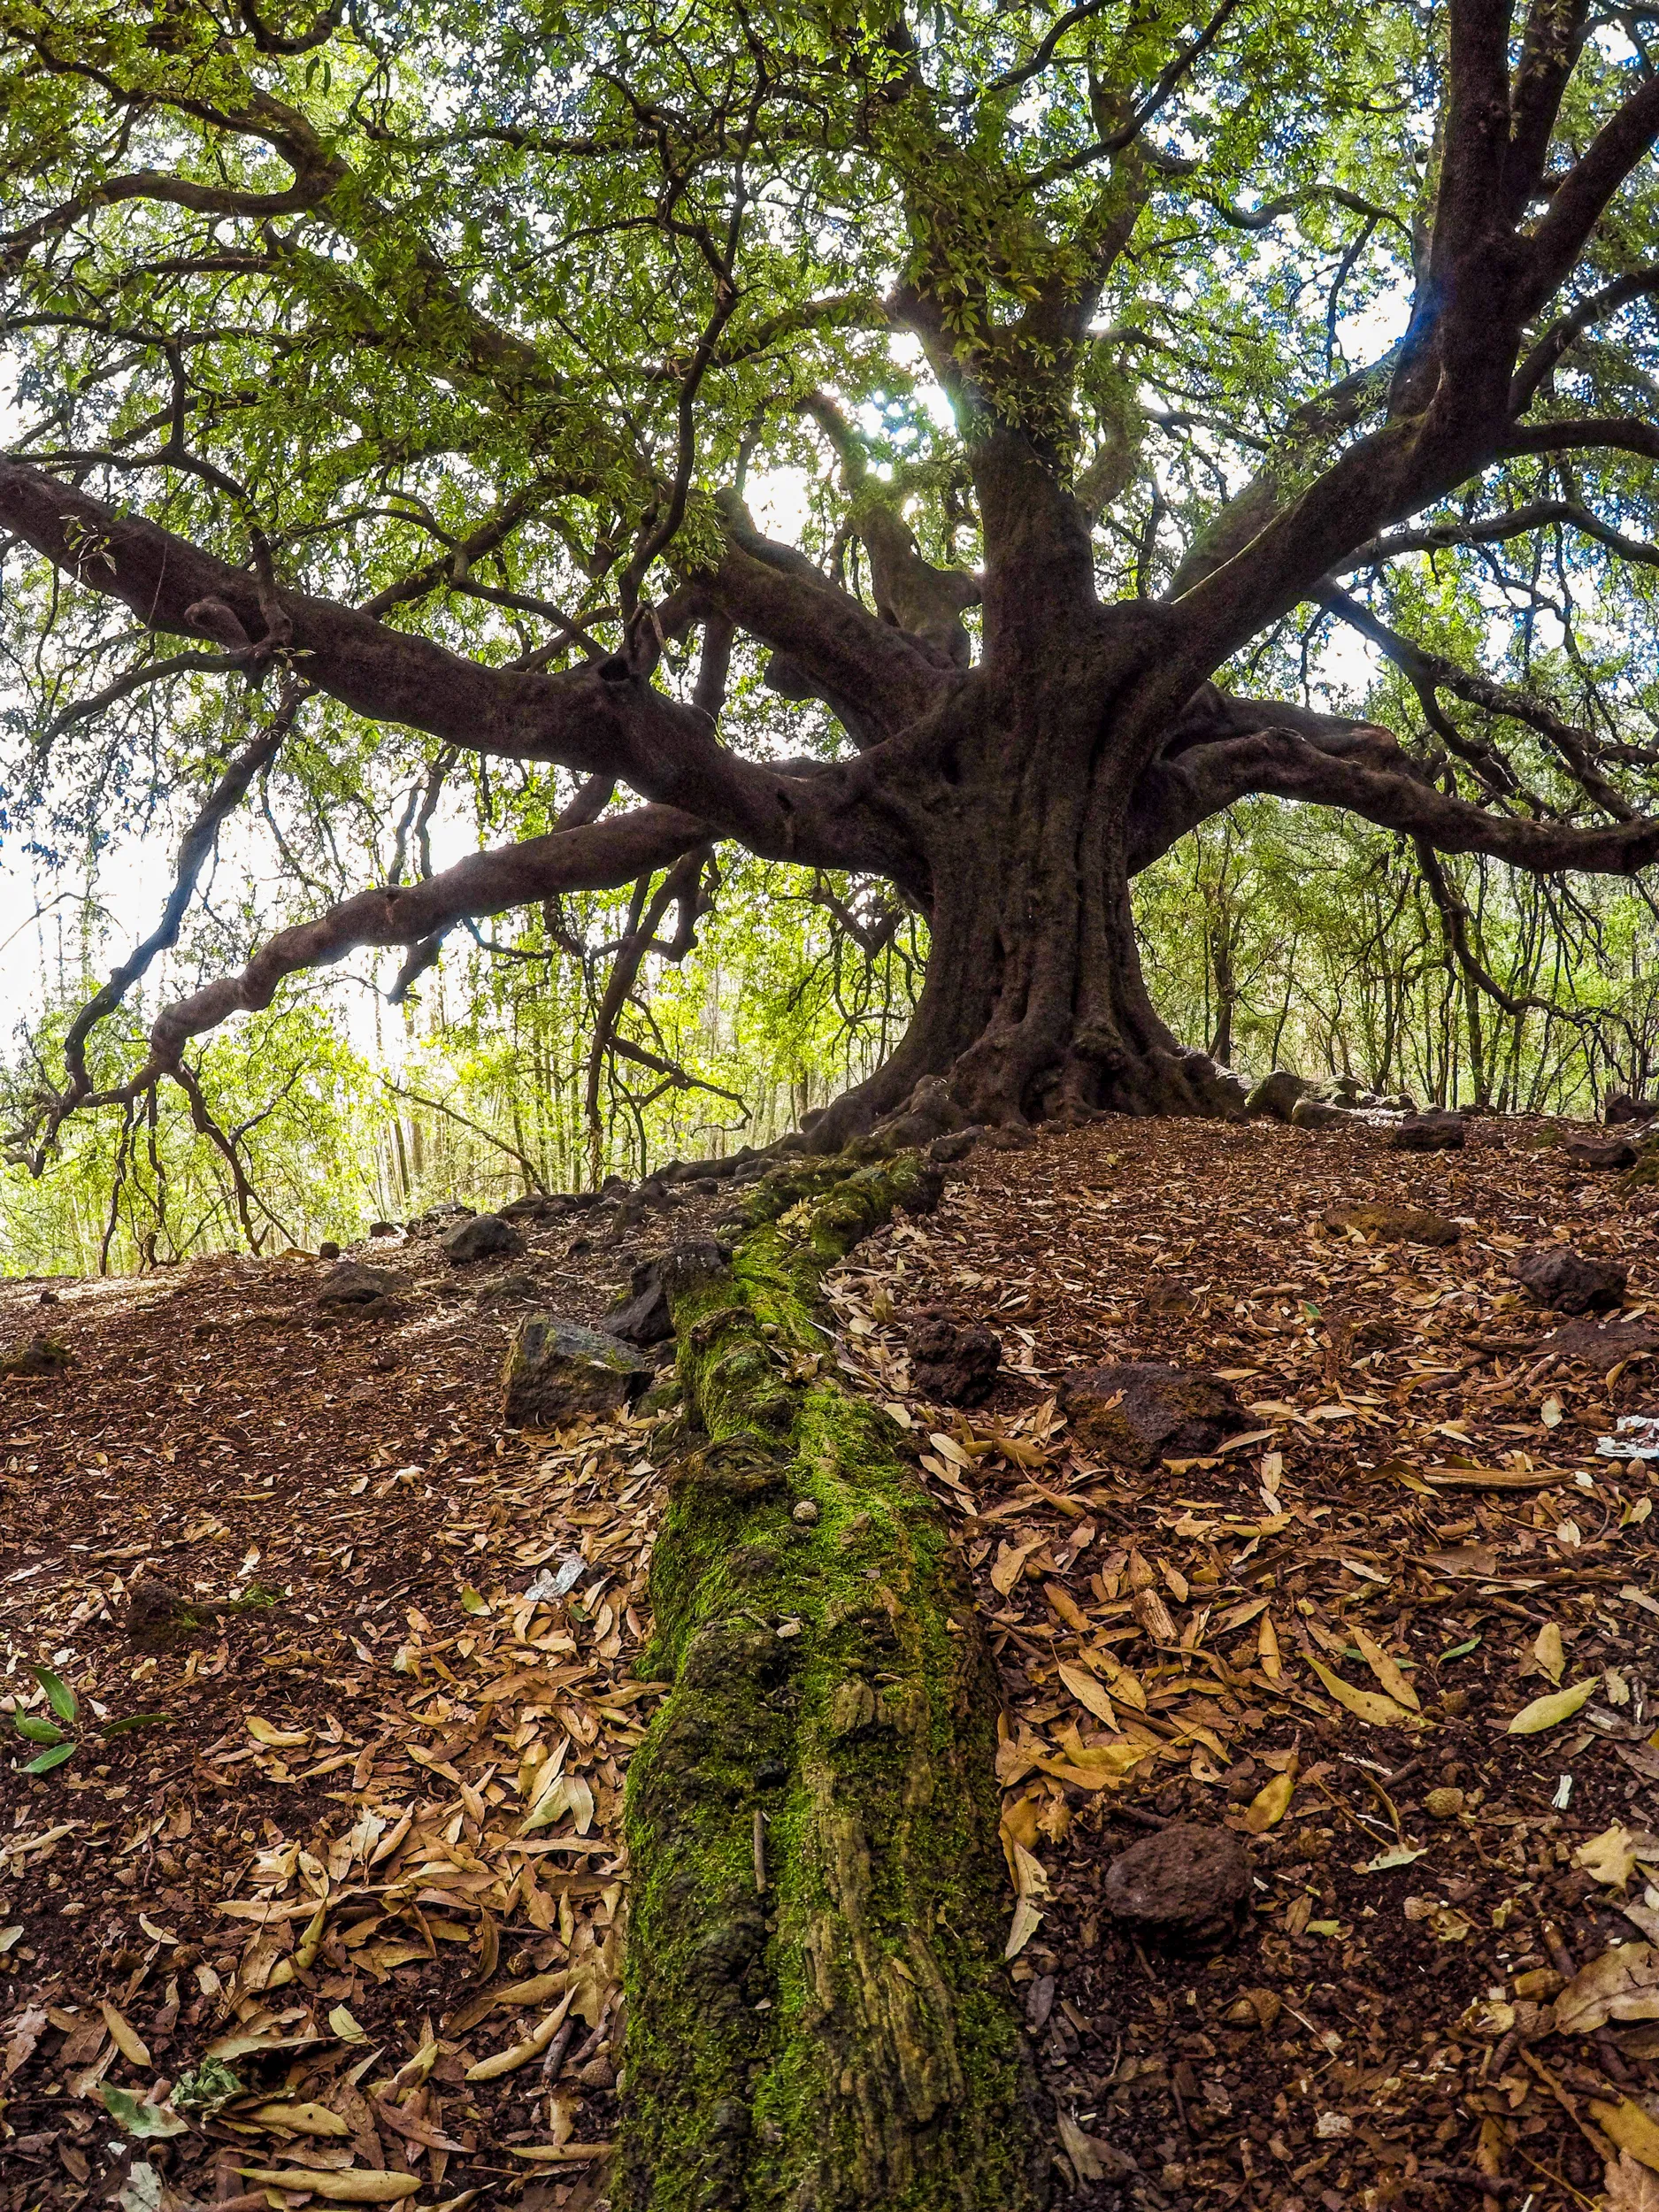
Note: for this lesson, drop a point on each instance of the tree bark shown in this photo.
(819, 2015)
(1034, 1006)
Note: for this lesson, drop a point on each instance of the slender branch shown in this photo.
(438, 1107)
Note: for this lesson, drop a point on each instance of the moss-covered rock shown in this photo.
(557, 1372)
(818, 2014)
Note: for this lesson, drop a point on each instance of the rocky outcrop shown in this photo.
(557, 1372)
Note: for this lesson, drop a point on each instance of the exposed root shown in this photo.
(818, 2012)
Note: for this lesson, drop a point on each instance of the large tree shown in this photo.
(410, 363)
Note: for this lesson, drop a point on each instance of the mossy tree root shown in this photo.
(820, 2020)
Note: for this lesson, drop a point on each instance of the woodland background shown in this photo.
(1277, 935)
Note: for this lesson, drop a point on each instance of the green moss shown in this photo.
(845, 2039)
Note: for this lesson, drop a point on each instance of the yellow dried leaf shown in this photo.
(355, 2184)
(278, 1738)
(1026, 1923)
(1367, 1705)
(1031, 1878)
(1609, 1857)
(1271, 1802)
(1622, 1985)
(1384, 1667)
(1089, 1692)
(1549, 1652)
(1066, 1605)
(1267, 1649)
(347, 2029)
(1010, 1564)
(518, 2055)
(1630, 2129)
(1549, 1712)
(304, 2119)
(124, 2037)
(1629, 2186)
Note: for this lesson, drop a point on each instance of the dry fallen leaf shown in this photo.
(1622, 1985)
(1549, 1652)
(1386, 1669)
(1632, 2129)
(1609, 1856)
(127, 2039)
(1549, 1712)
(1631, 2187)
(277, 1739)
(304, 2119)
(355, 2184)
(518, 2055)
(1271, 1804)
(1089, 1692)
(1367, 1705)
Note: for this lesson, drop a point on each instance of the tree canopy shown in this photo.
(403, 392)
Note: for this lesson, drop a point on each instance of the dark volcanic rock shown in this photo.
(1600, 1345)
(40, 1356)
(351, 1284)
(950, 1365)
(1557, 1276)
(1185, 1885)
(1622, 1109)
(642, 1316)
(517, 1289)
(1277, 1094)
(485, 1237)
(1606, 1153)
(1318, 1113)
(1395, 1224)
(1139, 1411)
(557, 1371)
(535, 1206)
(1434, 1132)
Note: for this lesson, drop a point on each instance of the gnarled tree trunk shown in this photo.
(1034, 1006)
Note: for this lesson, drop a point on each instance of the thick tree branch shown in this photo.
(598, 720)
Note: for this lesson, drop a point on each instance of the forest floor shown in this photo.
(354, 1900)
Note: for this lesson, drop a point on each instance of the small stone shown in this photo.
(384, 1229)
(40, 1356)
(1443, 1804)
(557, 1371)
(1434, 1132)
(1622, 1109)
(1395, 1224)
(1184, 1885)
(1277, 1094)
(515, 1289)
(1570, 1281)
(1600, 1344)
(328, 1249)
(805, 1512)
(350, 1283)
(642, 1316)
(950, 1365)
(1318, 1113)
(1604, 1153)
(484, 1237)
(1160, 1411)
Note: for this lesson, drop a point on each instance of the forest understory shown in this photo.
(343, 1920)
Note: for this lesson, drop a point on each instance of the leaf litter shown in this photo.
(367, 1875)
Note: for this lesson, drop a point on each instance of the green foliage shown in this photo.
(34, 1728)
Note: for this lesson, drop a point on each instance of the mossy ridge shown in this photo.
(886, 2067)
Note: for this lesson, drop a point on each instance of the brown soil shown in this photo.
(1416, 1506)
